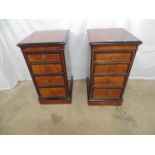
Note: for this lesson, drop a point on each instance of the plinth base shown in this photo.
(105, 102)
(48, 101)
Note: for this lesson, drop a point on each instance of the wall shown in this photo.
(12, 64)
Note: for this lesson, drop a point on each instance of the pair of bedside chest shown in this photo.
(112, 53)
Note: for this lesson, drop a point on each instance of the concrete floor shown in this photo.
(20, 112)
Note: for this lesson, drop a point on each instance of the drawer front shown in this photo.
(49, 80)
(109, 80)
(113, 56)
(53, 48)
(116, 68)
(114, 47)
(47, 68)
(52, 92)
(106, 93)
(43, 57)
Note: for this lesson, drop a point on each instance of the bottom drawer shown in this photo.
(52, 92)
(109, 80)
(50, 80)
(106, 93)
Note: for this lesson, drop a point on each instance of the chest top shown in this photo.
(111, 36)
(57, 37)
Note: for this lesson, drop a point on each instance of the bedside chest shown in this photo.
(47, 57)
(112, 53)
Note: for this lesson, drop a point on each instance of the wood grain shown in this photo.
(111, 81)
(50, 81)
(106, 93)
(45, 38)
(116, 48)
(112, 56)
(41, 49)
(48, 68)
(43, 57)
(109, 68)
(52, 92)
(111, 36)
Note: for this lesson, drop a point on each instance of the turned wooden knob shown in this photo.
(46, 68)
(109, 69)
(49, 80)
(53, 93)
(43, 57)
(106, 93)
(107, 81)
(124, 58)
(113, 57)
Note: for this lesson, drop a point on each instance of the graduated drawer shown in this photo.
(106, 93)
(109, 80)
(114, 47)
(44, 57)
(50, 80)
(111, 68)
(113, 56)
(47, 68)
(53, 48)
(52, 92)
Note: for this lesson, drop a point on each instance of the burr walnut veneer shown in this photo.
(112, 52)
(47, 58)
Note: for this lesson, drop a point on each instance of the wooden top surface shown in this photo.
(45, 38)
(111, 36)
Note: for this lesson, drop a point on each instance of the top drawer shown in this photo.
(44, 57)
(114, 47)
(113, 56)
(42, 48)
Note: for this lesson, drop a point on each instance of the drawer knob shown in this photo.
(107, 81)
(46, 68)
(43, 57)
(113, 57)
(125, 58)
(109, 69)
(106, 93)
(53, 93)
(50, 81)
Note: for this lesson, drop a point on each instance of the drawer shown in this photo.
(108, 68)
(113, 56)
(49, 80)
(114, 47)
(54, 48)
(109, 80)
(44, 57)
(106, 93)
(47, 68)
(52, 92)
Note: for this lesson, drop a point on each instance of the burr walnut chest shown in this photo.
(112, 53)
(47, 57)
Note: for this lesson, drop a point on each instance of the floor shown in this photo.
(20, 112)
